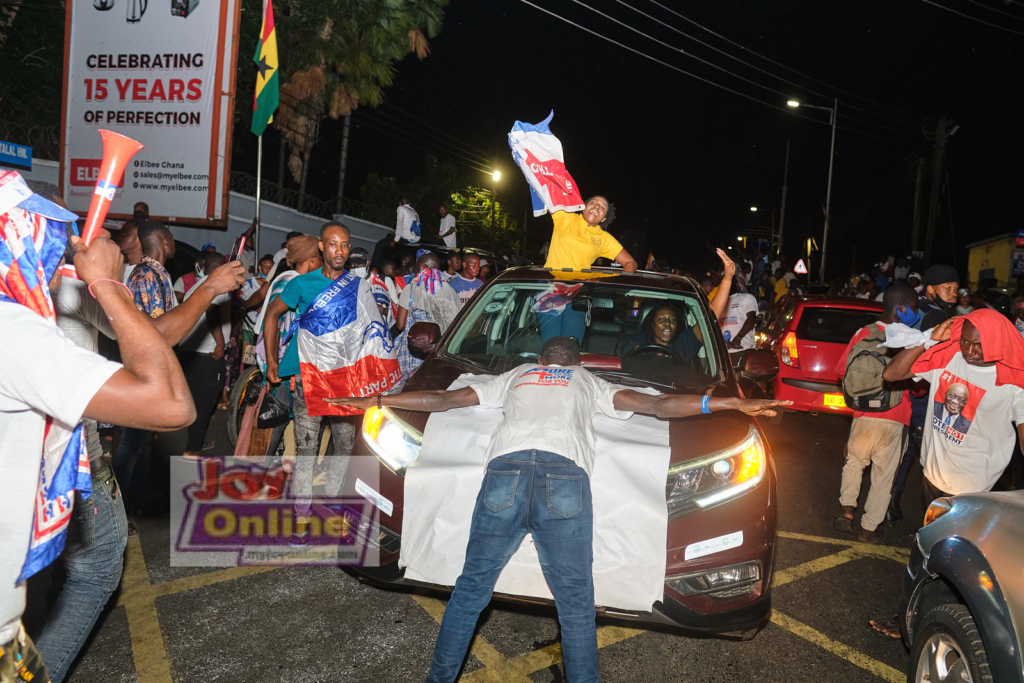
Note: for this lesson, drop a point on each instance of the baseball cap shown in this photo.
(939, 274)
(917, 275)
(15, 192)
(358, 254)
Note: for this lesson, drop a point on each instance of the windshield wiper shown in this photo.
(626, 378)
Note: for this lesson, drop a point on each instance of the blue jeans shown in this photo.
(548, 496)
(564, 323)
(919, 408)
(131, 465)
(93, 558)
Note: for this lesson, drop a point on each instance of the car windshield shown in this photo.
(633, 335)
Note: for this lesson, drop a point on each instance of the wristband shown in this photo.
(705, 404)
(107, 279)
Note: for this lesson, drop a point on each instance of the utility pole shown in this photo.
(782, 211)
(828, 192)
(941, 132)
(915, 239)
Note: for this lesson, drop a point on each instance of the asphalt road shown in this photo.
(323, 624)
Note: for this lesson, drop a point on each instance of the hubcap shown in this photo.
(942, 662)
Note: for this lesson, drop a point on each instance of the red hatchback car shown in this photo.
(808, 334)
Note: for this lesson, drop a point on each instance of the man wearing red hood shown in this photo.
(977, 385)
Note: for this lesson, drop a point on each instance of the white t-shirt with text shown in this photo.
(42, 372)
(200, 339)
(549, 408)
(968, 430)
(740, 305)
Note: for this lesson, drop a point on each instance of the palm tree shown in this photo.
(344, 53)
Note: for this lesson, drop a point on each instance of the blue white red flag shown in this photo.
(345, 348)
(539, 156)
(32, 239)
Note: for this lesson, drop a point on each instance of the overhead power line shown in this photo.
(416, 143)
(460, 146)
(783, 66)
(701, 78)
(997, 11)
(968, 16)
(416, 118)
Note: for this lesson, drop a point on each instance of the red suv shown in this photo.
(809, 334)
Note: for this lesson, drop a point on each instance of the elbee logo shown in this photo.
(85, 172)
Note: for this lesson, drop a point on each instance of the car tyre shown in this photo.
(948, 647)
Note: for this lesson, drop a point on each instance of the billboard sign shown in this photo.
(162, 74)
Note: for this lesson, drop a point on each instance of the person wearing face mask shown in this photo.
(938, 298)
(876, 439)
(358, 262)
(187, 281)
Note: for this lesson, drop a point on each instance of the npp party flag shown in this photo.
(344, 347)
(32, 239)
(539, 155)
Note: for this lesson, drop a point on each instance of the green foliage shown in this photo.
(380, 191)
(431, 189)
(471, 207)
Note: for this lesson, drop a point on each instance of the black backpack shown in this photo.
(863, 387)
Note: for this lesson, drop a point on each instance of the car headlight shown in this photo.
(718, 476)
(394, 442)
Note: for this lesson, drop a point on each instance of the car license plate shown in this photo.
(835, 400)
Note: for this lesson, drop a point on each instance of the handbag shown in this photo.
(253, 442)
(272, 411)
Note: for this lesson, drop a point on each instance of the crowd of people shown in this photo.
(125, 345)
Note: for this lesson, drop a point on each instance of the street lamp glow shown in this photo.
(739, 239)
(497, 175)
(754, 209)
(792, 103)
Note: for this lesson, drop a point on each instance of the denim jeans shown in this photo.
(564, 323)
(307, 448)
(93, 558)
(131, 465)
(548, 496)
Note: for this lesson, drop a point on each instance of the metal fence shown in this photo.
(44, 140)
(243, 183)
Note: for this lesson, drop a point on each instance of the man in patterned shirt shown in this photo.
(151, 287)
(150, 283)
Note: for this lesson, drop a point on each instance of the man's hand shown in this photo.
(940, 333)
(364, 403)
(272, 376)
(218, 351)
(100, 260)
(728, 265)
(226, 278)
(394, 242)
(760, 406)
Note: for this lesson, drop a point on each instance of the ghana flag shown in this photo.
(265, 102)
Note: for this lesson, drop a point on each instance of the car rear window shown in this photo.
(833, 325)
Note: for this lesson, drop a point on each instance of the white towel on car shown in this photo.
(628, 487)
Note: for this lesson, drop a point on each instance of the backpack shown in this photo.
(863, 387)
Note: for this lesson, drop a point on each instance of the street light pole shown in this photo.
(833, 111)
(828, 192)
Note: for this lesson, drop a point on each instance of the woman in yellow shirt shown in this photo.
(577, 241)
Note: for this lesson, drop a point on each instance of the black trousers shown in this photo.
(205, 377)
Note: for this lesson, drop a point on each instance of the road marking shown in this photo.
(880, 669)
(148, 650)
(208, 579)
(800, 571)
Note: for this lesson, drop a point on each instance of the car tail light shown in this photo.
(788, 353)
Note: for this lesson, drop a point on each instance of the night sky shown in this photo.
(683, 160)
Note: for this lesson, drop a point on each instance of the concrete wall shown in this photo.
(276, 220)
(997, 255)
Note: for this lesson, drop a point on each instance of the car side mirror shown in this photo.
(423, 337)
(758, 365)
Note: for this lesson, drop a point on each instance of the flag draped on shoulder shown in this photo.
(539, 156)
(344, 347)
(32, 239)
(266, 99)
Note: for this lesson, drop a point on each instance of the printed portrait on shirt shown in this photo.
(953, 405)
